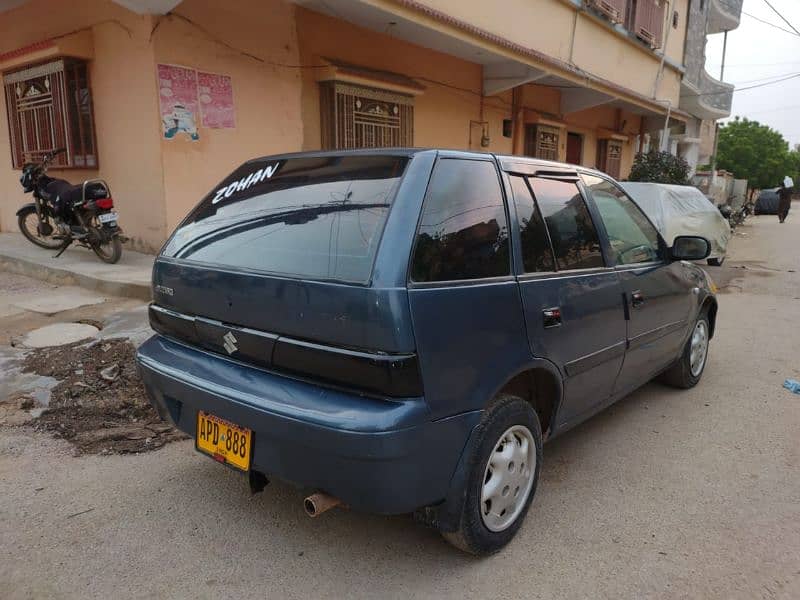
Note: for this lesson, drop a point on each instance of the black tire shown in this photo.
(24, 221)
(716, 262)
(109, 252)
(680, 374)
(472, 535)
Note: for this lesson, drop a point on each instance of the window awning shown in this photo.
(359, 75)
(77, 45)
(506, 64)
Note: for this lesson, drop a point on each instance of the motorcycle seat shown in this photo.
(68, 193)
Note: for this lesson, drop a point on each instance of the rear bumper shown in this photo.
(381, 456)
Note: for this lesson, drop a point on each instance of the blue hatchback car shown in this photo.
(400, 330)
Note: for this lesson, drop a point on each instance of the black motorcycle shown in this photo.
(734, 216)
(62, 213)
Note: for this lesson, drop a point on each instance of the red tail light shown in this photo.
(104, 203)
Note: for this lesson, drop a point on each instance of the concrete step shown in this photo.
(129, 278)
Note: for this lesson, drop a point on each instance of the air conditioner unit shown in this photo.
(613, 10)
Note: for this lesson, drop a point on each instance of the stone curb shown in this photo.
(62, 276)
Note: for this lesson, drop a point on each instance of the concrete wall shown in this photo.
(125, 109)
(269, 48)
(547, 26)
(155, 181)
(595, 123)
(442, 113)
(214, 37)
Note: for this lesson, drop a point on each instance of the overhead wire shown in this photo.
(773, 110)
(784, 19)
(763, 79)
(743, 89)
(778, 27)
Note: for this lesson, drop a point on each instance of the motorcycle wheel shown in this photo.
(28, 222)
(109, 252)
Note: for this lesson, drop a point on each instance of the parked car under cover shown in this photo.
(400, 330)
(683, 210)
(767, 202)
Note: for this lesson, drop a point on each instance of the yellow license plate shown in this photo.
(224, 441)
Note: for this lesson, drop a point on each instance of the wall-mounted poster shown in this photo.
(177, 92)
(216, 100)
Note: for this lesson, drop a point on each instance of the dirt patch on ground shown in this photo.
(99, 404)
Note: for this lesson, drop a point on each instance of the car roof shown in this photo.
(508, 162)
(334, 153)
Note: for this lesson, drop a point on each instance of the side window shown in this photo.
(632, 237)
(463, 233)
(536, 252)
(575, 241)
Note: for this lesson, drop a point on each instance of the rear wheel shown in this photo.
(686, 373)
(109, 251)
(503, 474)
(36, 231)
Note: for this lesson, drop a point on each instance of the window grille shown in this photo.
(361, 117)
(609, 158)
(541, 141)
(49, 106)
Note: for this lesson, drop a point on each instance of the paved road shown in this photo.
(667, 494)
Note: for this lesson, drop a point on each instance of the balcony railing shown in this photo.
(708, 98)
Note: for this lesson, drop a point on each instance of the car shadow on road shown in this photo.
(275, 517)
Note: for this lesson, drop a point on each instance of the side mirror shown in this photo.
(690, 247)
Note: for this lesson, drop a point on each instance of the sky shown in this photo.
(758, 53)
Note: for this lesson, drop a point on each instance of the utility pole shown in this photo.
(716, 125)
(724, 52)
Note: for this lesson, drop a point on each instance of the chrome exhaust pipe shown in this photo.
(318, 503)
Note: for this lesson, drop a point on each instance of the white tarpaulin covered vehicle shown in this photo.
(682, 210)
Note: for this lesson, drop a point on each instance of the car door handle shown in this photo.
(551, 317)
(637, 299)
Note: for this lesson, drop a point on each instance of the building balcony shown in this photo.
(707, 98)
(724, 15)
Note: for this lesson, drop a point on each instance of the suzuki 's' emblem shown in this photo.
(229, 341)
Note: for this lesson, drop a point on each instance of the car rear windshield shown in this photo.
(311, 217)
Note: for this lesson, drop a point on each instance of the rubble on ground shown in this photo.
(99, 404)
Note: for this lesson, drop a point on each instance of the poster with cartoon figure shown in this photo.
(216, 100)
(177, 92)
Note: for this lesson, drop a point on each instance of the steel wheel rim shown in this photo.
(508, 478)
(106, 249)
(34, 231)
(698, 350)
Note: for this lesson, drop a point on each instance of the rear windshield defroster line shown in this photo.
(311, 217)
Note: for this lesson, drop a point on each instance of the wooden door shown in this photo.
(574, 148)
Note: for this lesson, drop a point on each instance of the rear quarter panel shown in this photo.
(471, 340)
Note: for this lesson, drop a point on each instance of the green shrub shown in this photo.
(660, 167)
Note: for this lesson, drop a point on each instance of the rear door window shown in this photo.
(463, 233)
(576, 244)
(311, 217)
